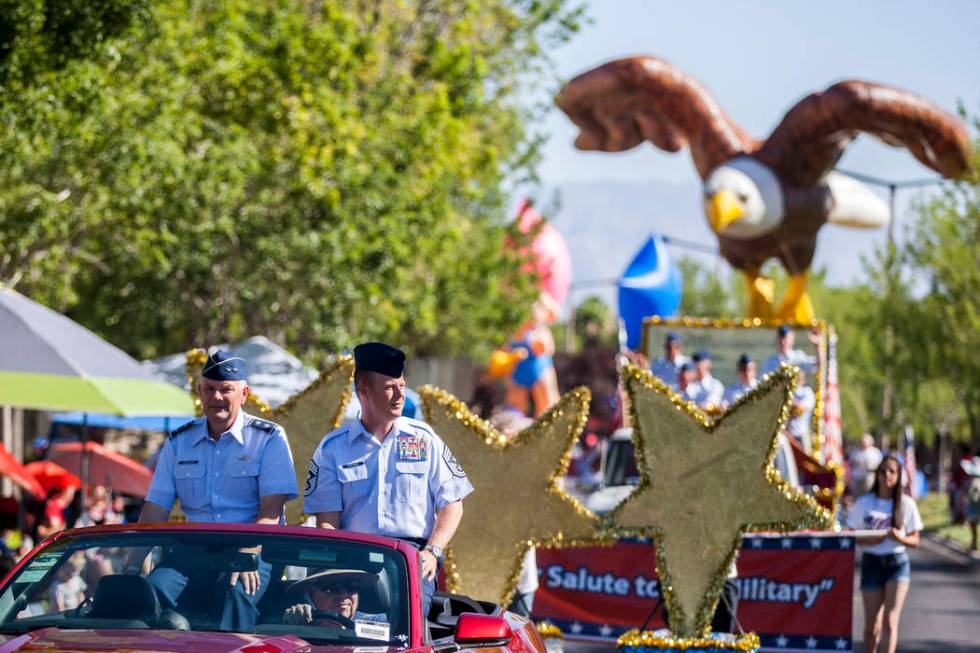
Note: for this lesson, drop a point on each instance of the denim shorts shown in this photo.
(876, 570)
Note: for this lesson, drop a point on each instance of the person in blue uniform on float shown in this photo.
(745, 370)
(386, 474)
(785, 353)
(227, 466)
(667, 367)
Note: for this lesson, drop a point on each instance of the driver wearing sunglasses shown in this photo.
(332, 598)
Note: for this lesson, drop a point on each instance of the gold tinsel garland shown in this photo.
(811, 515)
(650, 640)
(518, 502)
(548, 630)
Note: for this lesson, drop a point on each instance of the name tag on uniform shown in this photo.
(354, 471)
(412, 448)
(187, 462)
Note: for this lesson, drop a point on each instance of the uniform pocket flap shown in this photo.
(189, 471)
(355, 471)
(412, 468)
(249, 469)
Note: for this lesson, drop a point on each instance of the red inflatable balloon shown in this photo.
(552, 261)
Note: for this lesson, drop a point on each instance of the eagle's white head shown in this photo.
(743, 199)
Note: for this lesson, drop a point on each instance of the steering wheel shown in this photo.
(333, 616)
(83, 609)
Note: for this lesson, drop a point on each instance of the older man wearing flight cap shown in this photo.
(227, 466)
(386, 474)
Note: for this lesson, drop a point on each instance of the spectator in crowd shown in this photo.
(97, 510)
(863, 464)
(68, 589)
(971, 495)
(708, 391)
(745, 370)
(54, 511)
(668, 366)
(885, 572)
(801, 411)
(785, 353)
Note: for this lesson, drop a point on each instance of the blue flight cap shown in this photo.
(673, 336)
(743, 361)
(702, 355)
(686, 367)
(222, 366)
(379, 357)
(783, 330)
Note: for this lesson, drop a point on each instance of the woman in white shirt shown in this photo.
(884, 562)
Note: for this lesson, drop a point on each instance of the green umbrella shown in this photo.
(49, 362)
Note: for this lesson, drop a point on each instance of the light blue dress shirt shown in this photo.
(667, 370)
(393, 488)
(223, 480)
(708, 390)
(796, 357)
(736, 390)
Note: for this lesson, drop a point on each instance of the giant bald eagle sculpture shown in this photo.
(764, 199)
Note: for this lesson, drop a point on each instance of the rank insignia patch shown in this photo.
(452, 463)
(311, 479)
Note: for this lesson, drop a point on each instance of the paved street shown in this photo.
(943, 608)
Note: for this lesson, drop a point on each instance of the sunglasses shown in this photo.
(337, 587)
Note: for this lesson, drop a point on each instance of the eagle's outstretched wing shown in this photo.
(624, 102)
(812, 136)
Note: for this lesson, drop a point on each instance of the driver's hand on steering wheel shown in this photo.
(304, 614)
(298, 615)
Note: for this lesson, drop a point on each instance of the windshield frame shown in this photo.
(402, 556)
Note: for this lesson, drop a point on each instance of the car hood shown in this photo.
(166, 641)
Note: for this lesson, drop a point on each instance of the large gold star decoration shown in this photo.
(306, 416)
(703, 483)
(517, 501)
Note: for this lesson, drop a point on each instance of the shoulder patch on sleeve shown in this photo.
(311, 479)
(180, 429)
(452, 463)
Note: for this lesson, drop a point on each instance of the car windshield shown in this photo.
(325, 590)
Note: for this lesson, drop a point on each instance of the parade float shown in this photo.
(649, 572)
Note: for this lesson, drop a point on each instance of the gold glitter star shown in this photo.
(517, 500)
(306, 416)
(705, 482)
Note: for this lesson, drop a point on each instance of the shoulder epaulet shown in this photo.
(180, 429)
(419, 425)
(343, 430)
(263, 425)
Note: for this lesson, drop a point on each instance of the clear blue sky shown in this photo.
(759, 57)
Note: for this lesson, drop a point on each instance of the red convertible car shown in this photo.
(93, 589)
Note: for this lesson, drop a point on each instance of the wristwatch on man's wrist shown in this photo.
(435, 549)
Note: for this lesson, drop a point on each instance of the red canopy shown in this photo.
(105, 467)
(52, 476)
(15, 471)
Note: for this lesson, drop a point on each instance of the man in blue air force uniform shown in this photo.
(227, 466)
(385, 474)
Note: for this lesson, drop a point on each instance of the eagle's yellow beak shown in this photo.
(723, 209)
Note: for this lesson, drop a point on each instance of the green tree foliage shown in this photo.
(595, 324)
(318, 172)
(705, 294)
